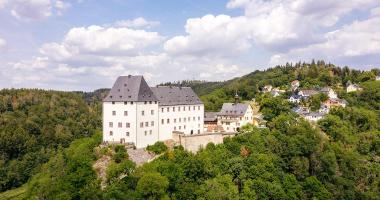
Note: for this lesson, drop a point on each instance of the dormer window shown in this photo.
(125, 85)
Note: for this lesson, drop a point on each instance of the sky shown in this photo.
(86, 44)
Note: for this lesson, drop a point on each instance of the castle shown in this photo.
(137, 114)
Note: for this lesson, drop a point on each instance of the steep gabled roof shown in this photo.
(233, 109)
(130, 88)
(168, 95)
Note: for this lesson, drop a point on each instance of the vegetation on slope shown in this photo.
(34, 124)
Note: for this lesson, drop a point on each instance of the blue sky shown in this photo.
(86, 44)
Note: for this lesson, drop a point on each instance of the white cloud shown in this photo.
(31, 9)
(97, 40)
(3, 3)
(357, 44)
(3, 43)
(210, 35)
(139, 22)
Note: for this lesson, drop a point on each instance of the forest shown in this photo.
(49, 141)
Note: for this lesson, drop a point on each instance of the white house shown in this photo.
(295, 85)
(329, 92)
(314, 116)
(307, 93)
(141, 115)
(352, 87)
(233, 116)
(295, 98)
(267, 88)
(378, 78)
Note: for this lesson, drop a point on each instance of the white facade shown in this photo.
(233, 122)
(132, 113)
(353, 88)
(184, 118)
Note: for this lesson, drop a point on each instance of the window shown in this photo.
(193, 107)
(189, 108)
(184, 108)
(199, 131)
(184, 126)
(150, 132)
(125, 113)
(179, 128)
(168, 121)
(141, 124)
(128, 125)
(175, 128)
(152, 112)
(162, 121)
(162, 110)
(199, 125)
(167, 109)
(175, 120)
(146, 124)
(184, 119)
(179, 119)
(110, 124)
(127, 134)
(173, 109)
(144, 102)
(152, 123)
(132, 103)
(155, 102)
(113, 113)
(125, 103)
(188, 119)
(199, 118)
(150, 102)
(145, 132)
(112, 101)
(199, 108)
(119, 124)
(111, 133)
(179, 108)
(142, 113)
(193, 118)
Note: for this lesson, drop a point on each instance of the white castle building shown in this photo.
(141, 115)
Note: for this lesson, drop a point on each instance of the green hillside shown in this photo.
(49, 143)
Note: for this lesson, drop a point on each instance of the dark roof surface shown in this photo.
(130, 88)
(210, 116)
(168, 95)
(232, 109)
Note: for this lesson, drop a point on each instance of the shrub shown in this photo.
(157, 148)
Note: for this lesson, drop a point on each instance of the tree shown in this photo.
(220, 187)
(152, 186)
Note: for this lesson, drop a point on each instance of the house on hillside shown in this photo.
(307, 93)
(233, 116)
(329, 103)
(295, 98)
(352, 87)
(295, 85)
(329, 92)
(378, 78)
(137, 114)
(277, 92)
(267, 88)
(314, 116)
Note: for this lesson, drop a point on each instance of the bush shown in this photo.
(157, 148)
(120, 154)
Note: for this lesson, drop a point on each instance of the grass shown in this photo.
(14, 194)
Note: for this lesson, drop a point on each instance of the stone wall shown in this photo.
(194, 142)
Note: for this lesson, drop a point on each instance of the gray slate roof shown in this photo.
(130, 88)
(232, 109)
(168, 95)
(210, 116)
